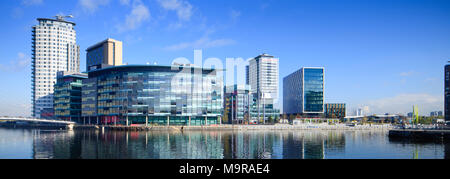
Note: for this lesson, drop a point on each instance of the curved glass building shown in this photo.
(153, 95)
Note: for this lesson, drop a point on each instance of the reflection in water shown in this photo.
(190, 145)
(416, 153)
(220, 144)
(447, 151)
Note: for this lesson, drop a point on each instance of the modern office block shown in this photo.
(303, 91)
(262, 75)
(67, 96)
(447, 93)
(152, 95)
(266, 112)
(54, 49)
(335, 110)
(104, 54)
(237, 101)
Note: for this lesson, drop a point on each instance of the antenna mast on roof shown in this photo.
(61, 17)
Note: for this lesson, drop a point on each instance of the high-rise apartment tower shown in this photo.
(54, 49)
(262, 76)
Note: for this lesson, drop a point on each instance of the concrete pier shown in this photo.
(420, 134)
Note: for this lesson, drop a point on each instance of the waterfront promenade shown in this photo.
(305, 126)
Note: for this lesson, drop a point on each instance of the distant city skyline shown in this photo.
(382, 54)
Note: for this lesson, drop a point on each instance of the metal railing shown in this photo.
(23, 119)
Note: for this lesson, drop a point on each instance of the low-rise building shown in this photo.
(236, 104)
(335, 110)
(67, 96)
(239, 102)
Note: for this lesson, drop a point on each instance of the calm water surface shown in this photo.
(25, 143)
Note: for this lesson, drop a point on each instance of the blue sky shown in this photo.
(387, 55)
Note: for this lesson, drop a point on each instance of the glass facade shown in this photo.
(313, 90)
(236, 106)
(447, 93)
(67, 97)
(94, 56)
(266, 111)
(303, 91)
(156, 95)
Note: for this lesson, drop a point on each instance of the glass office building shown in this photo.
(153, 95)
(239, 102)
(67, 96)
(236, 104)
(303, 91)
(447, 93)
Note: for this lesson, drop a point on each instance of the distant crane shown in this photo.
(61, 17)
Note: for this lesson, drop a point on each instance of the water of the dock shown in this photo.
(213, 144)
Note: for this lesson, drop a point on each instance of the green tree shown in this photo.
(425, 120)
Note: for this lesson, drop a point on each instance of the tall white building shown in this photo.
(262, 76)
(54, 49)
(362, 111)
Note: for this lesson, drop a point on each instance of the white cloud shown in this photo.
(403, 103)
(201, 43)
(91, 6)
(137, 16)
(18, 64)
(234, 14)
(176, 25)
(32, 2)
(182, 8)
(409, 73)
(125, 2)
